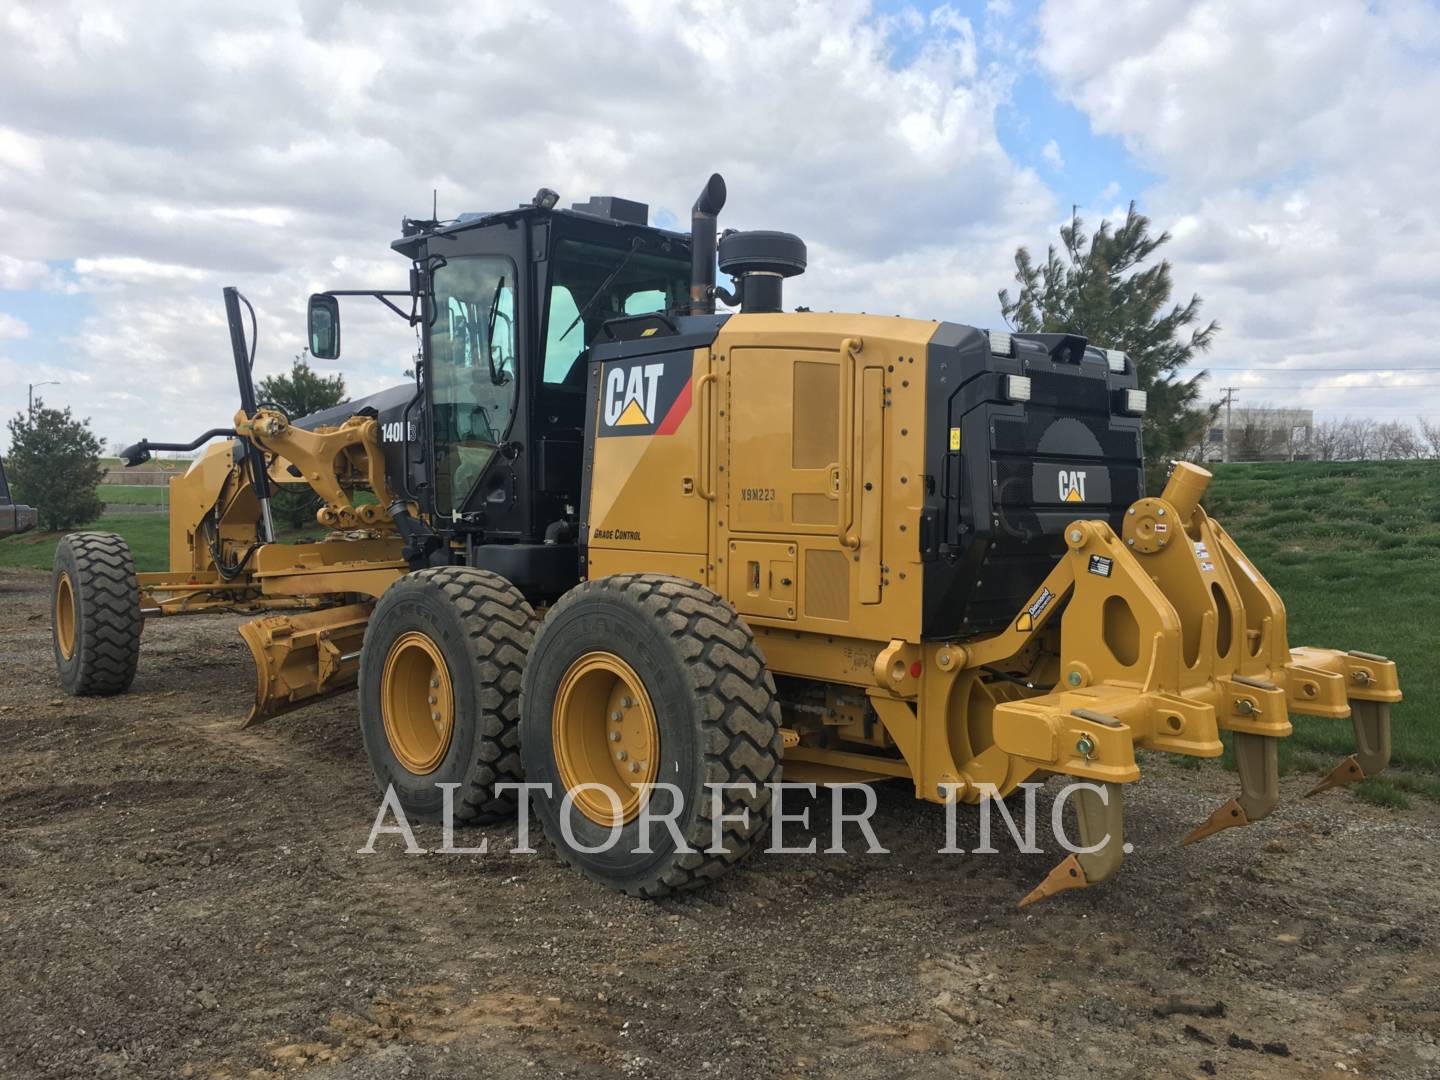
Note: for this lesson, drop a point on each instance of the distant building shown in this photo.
(1260, 434)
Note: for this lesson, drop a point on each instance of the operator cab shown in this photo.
(490, 444)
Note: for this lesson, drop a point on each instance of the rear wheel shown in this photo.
(96, 620)
(640, 680)
(440, 691)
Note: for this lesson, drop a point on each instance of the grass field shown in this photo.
(1352, 547)
(147, 534)
(1354, 550)
(134, 494)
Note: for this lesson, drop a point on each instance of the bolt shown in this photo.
(1075, 536)
(614, 736)
(1074, 678)
(434, 700)
(625, 703)
(1130, 543)
(1245, 707)
(621, 756)
(1131, 512)
(435, 716)
(1085, 746)
(634, 766)
(943, 660)
(617, 716)
(1160, 512)
(435, 684)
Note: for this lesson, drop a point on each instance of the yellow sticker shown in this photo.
(649, 331)
(954, 438)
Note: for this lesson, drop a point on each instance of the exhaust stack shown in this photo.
(702, 245)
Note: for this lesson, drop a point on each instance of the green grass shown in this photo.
(134, 494)
(147, 534)
(1353, 548)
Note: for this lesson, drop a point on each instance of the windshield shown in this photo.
(586, 274)
(472, 374)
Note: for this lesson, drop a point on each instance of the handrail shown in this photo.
(846, 516)
(702, 445)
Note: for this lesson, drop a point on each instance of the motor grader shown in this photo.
(616, 542)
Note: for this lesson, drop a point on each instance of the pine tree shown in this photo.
(1096, 286)
(54, 465)
(302, 391)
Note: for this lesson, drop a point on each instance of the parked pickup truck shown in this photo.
(14, 517)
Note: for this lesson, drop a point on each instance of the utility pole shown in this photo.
(30, 395)
(1226, 400)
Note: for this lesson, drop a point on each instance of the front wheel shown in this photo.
(95, 604)
(639, 680)
(440, 691)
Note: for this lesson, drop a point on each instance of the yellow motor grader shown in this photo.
(617, 543)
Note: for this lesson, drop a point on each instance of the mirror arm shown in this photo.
(383, 295)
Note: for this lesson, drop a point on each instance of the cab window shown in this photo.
(594, 282)
(472, 376)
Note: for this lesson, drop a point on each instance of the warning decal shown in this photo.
(1101, 566)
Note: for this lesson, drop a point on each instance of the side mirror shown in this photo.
(323, 321)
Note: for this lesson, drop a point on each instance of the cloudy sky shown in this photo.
(151, 153)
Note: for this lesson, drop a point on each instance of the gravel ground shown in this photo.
(182, 898)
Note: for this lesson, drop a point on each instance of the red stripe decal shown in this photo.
(677, 412)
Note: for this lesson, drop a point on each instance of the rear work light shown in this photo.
(1135, 401)
(1001, 344)
(1017, 387)
(1116, 359)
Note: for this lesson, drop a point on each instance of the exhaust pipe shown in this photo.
(702, 245)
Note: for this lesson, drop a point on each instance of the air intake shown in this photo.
(760, 260)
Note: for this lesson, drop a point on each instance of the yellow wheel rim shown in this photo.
(65, 616)
(417, 703)
(604, 732)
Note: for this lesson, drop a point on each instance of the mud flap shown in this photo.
(1100, 821)
(1258, 763)
(1372, 746)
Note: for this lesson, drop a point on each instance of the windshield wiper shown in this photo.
(490, 330)
(634, 247)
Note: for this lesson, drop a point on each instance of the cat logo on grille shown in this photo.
(1072, 485)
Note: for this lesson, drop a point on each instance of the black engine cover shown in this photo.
(1004, 478)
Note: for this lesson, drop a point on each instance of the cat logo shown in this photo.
(630, 396)
(1072, 485)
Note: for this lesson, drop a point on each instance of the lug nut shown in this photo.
(634, 766)
(434, 700)
(435, 716)
(614, 736)
(434, 684)
(617, 716)
(621, 756)
(625, 703)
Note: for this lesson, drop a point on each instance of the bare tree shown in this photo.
(1327, 439)
(1396, 441)
(1430, 432)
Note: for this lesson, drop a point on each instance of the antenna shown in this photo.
(434, 204)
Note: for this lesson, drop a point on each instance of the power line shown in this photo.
(1337, 370)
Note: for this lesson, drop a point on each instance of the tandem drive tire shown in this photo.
(648, 679)
(440, 691)
(95, 610)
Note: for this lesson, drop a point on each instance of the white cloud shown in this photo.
(1295, 173)
(276, 148)
(1051, 153)
(11, 327)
